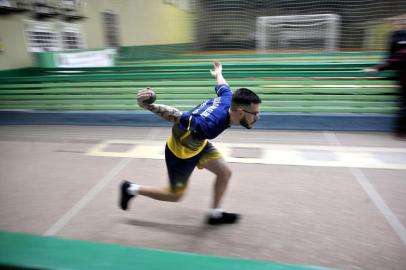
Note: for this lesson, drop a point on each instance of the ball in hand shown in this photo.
(151, 99)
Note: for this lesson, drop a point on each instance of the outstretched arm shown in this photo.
(168, 113)
(217, 73)
(395, 61)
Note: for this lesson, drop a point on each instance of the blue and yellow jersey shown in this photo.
(205, 121)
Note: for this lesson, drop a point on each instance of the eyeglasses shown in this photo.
(253, 113)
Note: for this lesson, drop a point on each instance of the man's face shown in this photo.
(400, 24)
(251, 115)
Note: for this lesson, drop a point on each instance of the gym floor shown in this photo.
(329, 199)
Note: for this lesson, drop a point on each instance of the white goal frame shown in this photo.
(265, 26)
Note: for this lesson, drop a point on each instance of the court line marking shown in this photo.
(331, 138)
(277, 154)
(374, 196)
(390, 217)
(58, 226)
(361, 149)
(54, 229)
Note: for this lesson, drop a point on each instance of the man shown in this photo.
(188, 146)
(397, 40)
(397, 61)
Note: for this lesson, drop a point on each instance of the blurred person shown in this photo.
(188, 145)
(397, 62)
(397, 39)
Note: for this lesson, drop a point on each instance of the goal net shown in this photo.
(199, 27)
(291, 26)
(298, 32)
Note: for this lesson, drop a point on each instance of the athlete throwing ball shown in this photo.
(188, 145)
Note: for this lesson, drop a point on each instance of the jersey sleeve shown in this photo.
(223, 89)
(396, 61)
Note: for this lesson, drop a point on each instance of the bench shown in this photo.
(295, 87)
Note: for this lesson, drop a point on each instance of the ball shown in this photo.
(151, 99)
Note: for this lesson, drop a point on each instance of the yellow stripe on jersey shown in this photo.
(179, 149)
(190, 121)
(182, 151)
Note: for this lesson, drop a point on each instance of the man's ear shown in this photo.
(240, 112)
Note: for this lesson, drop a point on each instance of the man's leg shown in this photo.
(161, 194)
(223, 174)
(129, 190)
(179, 171)
(401, 117)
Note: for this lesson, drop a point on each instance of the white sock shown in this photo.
(133, 189)
(216, 212)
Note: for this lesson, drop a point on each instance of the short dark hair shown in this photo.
(244, 96)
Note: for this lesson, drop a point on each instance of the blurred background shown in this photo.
(322, 182)
(144, 29)
(301, 56)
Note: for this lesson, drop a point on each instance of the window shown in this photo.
(110, 29)
(71, 36)
(68, 4)
(41, 36)
(50, 36)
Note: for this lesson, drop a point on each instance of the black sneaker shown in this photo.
(125, 197)
(225, 218)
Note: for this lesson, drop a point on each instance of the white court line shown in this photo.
(331, 138)
(380, 204)
(93, 192)
(272, 146)
(87, 198)
(373, 195)
(281, 154)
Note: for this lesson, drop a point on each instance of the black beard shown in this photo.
(245, 124)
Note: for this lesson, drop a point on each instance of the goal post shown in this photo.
(317, 32)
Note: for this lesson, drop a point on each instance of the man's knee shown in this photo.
(176, 195)
(225, 174)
